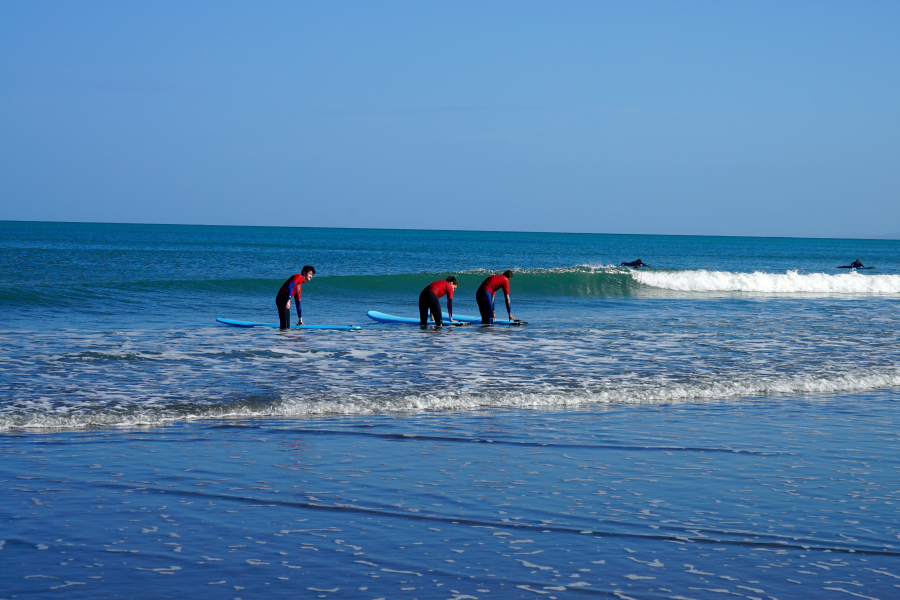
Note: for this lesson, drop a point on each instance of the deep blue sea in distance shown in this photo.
(722, 424)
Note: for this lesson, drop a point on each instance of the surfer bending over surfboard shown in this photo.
(485, 296)
(637, 264)
(290, 288)
(428, 301)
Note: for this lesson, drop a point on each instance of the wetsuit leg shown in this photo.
(284, 314)
(423, 308)
(483, 298)
(428, 301)
(435, 305)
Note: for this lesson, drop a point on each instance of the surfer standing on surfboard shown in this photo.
(485, 296)
(428, 301)
(289, 288)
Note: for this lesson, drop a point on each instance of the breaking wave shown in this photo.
(576, 281)
(300, 406)
(792, 282)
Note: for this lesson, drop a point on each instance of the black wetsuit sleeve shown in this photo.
(450, 306)
(508, 307)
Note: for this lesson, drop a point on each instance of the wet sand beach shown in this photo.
(761, 498)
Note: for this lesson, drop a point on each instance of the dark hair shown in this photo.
(308, 269)
(507, 274)
(452, 279)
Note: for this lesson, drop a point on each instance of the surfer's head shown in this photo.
(453, 282)
(308, 271)
(507, 274)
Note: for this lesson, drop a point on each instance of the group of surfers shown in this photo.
(429, 299)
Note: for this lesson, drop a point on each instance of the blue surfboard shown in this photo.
(469, 319)
(386, 318)
(234, 323)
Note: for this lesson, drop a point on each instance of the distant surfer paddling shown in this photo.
(856, 264)
(485, 296)
(291, 288)
(429, 301)
(637, 264)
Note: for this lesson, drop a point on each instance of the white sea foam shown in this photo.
(291, 405)
(792, 282)
(626, 394)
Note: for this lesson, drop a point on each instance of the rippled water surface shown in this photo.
(115, 324)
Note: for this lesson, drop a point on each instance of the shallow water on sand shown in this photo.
(767, 498)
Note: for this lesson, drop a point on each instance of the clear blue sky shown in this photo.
(731, 118)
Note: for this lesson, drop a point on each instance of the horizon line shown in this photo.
(883, 237)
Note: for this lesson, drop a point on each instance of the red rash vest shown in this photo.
(495, 282)
(439, 288)
(291, 287)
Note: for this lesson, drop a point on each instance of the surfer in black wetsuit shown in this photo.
(429, 301)
(637, 264)
(291, 289)
(485, 296)
(856, 264)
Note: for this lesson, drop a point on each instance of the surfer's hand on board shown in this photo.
(299, 321)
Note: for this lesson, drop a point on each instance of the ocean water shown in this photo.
(721, 424)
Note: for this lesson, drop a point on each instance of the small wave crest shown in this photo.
(575, 281)
(290, 405)
(581, 280)
(792, 282)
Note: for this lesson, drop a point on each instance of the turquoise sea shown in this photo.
(724, 423)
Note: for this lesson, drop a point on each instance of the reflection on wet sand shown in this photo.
(757, 499)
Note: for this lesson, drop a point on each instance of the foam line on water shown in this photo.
(791, 282)
(296, 405)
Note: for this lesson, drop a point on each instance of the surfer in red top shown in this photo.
(290, 288)
(428, 301)
(485, 296)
